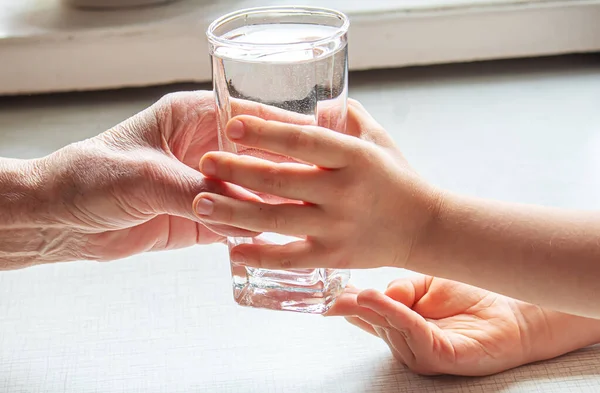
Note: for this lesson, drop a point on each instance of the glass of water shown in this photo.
(288, 64)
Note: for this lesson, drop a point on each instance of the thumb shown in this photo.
(176, 185)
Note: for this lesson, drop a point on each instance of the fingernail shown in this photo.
(209, 168)
(204, 207)
(235, 130)
(238, 258)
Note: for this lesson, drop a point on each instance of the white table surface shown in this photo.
(166, 322)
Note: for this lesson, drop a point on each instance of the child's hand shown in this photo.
(364, 206)
(437, 326)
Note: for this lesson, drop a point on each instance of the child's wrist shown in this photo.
(427, 243)
(552, 333)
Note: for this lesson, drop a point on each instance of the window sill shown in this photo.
(46, 48)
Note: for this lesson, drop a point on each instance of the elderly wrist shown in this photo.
(30, 229)
(23, 199)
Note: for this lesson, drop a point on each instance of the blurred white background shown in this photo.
(46, 46)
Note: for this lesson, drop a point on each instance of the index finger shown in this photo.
(412, 327)
(310, 144)
(346, 305)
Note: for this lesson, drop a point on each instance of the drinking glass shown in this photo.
(288, 64)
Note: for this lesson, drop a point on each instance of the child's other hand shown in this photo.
(437, 326)
(363, 205)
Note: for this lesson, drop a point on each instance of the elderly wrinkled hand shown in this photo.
(126, 191)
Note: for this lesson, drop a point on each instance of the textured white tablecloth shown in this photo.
(166, 322)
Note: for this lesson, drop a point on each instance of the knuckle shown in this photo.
(273, 180)
(224, 211)
(194, 97)
(165, 103)
(293, 141)
(279, 183)
(224, 167)
(299, 139)
(166, 100)
(260, 129)
(285, 263)
(169, 98)
(278, 221)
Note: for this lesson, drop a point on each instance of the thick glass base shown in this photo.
(311, 291)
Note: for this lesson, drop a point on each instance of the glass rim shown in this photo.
(214, 39)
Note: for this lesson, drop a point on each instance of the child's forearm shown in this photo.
(540, 255)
